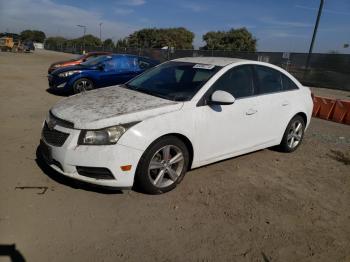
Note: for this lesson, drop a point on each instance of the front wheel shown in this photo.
(294, 134)
(82, 85)
(163, 166)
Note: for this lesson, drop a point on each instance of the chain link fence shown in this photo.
(325, 70)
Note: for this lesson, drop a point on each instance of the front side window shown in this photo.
(177, 81)
(111, 64)
(270, 80)
(237, 81)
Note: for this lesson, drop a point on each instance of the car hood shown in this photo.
(111, 106)
(63, 62)
(69, 68)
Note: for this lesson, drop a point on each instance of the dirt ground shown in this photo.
(264, 206)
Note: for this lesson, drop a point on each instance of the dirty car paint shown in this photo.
(111, 106)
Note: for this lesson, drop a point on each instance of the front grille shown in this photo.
(54, 137)
(95, 172)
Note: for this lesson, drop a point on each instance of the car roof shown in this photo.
(218, 61)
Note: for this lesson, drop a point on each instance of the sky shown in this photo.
(284, 25)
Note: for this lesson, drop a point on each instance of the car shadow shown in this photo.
(57, 93)
(67, 181)
(12, 253)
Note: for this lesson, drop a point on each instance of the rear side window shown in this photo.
(270, 80)
(237, 81)
(288, 84)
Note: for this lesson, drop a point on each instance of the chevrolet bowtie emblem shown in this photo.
(51, 124)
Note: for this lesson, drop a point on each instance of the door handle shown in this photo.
(285, 103)
(251, 111)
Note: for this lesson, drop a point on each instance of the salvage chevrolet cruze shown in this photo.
(182, 114)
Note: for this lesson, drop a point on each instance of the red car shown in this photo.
(76, 61)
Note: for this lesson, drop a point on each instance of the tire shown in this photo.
(293, 136)
(162, 176)
(82, 85)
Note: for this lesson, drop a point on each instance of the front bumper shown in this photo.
(66, 158)
(56, 82)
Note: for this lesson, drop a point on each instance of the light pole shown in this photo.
(314, 35)
(84, 27)
(100, 33)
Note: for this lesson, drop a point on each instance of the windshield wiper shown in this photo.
(152, 93)
(148, 92)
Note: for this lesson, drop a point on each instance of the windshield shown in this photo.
(96, 60)
(177, 81)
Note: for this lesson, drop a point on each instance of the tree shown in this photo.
(90, 40)
(180, 38)
(33, 35)
(55, 42)
(121, 43)
(108, 43)
(235, 39)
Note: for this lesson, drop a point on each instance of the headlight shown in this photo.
(69, 73)
(107, 136)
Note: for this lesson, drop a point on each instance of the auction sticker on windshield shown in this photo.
(204, 66)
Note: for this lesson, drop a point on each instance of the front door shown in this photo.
(109, 73)
(223, 130)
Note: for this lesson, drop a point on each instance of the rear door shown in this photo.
(274, 102)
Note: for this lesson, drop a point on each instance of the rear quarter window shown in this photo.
(288, 84)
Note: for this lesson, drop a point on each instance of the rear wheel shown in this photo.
(82, 85)
(293, 135)
(163, 166)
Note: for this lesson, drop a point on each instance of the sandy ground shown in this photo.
(264, 206)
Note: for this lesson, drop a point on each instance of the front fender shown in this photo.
(146, 132)
(74, 78)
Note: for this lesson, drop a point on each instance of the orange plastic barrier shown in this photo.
(331, 109)
(342, 112)
(317, 106)
(326, 108)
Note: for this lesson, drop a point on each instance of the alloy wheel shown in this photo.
(166, 166)
(295, 134)
(83, 85)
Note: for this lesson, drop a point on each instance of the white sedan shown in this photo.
(182, 114)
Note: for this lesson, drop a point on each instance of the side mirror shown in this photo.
(220, 97)
(84, 60)
(101, 66)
